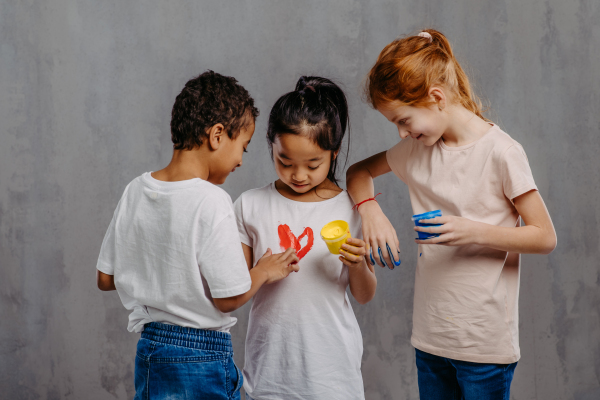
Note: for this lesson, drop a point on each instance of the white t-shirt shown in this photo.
(466, 297)
(172, 247)
(303, 339)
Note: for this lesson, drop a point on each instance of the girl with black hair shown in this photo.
(303, 339)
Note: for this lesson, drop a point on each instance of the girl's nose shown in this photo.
(403, 133)
(298, 177)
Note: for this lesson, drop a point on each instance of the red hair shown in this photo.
(407, 68)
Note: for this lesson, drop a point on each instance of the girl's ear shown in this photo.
(215, 136)
(335, 154)
(437, 95)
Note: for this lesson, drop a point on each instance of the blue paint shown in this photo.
(392, 256)
(428, 215)
(372, 259)
(420, 254)
(396, 263)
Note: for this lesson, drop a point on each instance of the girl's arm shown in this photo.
(377, 229)
(363, 282)
(269, 269)
(537, 237)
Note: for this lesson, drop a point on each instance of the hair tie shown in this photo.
(310, 87)
(426, 35)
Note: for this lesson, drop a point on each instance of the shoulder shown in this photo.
(132, 191)
(502, 141)
(499, 146)
(403, 147)
(255, 195)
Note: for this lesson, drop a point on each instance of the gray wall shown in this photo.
(86, 89)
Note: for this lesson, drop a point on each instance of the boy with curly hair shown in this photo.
(172, 250)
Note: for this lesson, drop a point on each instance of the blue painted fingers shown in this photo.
(396, 263)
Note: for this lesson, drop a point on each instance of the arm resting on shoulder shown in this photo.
(377, 230)
(359, 178)
(105, 282)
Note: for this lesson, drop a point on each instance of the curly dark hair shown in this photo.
(206, 100)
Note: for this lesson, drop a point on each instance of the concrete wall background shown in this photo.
(86, 90)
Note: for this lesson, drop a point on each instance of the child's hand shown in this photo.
(353, 252)
(278, 266)
(378, 233)
(455, 231)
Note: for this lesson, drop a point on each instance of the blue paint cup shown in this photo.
(427, 215)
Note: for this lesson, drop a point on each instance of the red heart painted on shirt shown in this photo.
(288, 239)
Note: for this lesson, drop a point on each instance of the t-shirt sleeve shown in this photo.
(517, 178)
(397, 158)
(222, 261)
(241, 225)
(106, 259)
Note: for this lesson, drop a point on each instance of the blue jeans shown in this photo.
(174, 362)
(447, 379)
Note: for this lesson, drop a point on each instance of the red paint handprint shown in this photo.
(288, 239)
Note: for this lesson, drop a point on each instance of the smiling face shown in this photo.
(425, 124)
(230, 153)
(299, 162)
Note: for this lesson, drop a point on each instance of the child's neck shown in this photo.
(185, 164)
(464, 127)
(324, 191)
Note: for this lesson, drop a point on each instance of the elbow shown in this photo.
(104, 286)
(364, 300)
(352, 171)
(225, 305)
(550, 244)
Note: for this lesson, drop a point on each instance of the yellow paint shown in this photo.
(335, 235)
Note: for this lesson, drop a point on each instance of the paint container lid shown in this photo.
(427, 215)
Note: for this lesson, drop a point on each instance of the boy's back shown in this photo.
(173, 252)
(164, 247)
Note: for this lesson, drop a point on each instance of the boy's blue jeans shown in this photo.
(447, 379)
(174, 362)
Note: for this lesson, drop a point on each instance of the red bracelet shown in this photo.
(364, 201)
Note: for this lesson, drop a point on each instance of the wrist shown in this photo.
(368, 207)
(479, 234)
(259, 275)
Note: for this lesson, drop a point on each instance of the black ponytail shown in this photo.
(317, 108)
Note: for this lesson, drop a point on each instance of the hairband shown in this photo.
(426, 35)
(310, 87)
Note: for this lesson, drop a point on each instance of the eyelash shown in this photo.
(402, 121)
(287, 166)
(245, 150)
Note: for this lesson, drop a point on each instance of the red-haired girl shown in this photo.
(465, 319)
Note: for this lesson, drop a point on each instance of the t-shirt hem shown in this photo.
(476, 358)
(105, 269)
(521, 190)
(240, 289)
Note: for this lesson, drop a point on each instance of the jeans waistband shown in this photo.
(201, 339)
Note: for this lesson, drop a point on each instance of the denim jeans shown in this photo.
(174, 362)
(447, 379)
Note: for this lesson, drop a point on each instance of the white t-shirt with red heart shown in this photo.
(303, 340)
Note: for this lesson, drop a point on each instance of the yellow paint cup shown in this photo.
(335, 234)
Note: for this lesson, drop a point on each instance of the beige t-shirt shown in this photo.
(466, 297)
